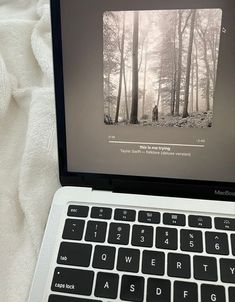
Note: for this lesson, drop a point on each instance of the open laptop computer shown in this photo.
(145, 102)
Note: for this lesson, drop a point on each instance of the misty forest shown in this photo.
(160, 67)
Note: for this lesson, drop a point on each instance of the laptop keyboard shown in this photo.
(113, 254)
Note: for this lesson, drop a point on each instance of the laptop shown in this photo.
(145, 105)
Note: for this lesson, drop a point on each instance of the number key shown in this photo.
(142, 236)
(191, 241)
(119, 233)
(96, 231)
(217, 243)
(166, 238)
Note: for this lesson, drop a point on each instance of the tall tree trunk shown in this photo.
(121, 71)
(192, 87)
(126, 97)
(189, 61)
(179, 69)
(197, 79)
(145, 77)
(135, 76)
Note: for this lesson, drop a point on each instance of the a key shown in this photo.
(149, 217)
(73, 229)
(233, 243)
(227, 270)
(191, 241)
(217, 243)
(205, 268)
(104, 257)
(231, 292)
(178, 265)
(96, 231)
(225, 224)
(78, 211)
(158, 290)
(59, 298)
(106, 285)
(101, 213)
(68, 254)
(174, 219)
(119, 233)
(72, 281)
(185, 292)
(212, 293)
(203, 222)
(128, 260)
(132, 288)
(166, 238)
(142, 236)
(153, 263)
(125, 214)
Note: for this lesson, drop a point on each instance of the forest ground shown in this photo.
(194, 120)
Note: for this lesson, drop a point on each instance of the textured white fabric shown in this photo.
(28, 156)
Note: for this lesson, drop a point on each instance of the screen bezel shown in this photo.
(123, 183)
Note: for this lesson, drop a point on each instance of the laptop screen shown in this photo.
(149, 88)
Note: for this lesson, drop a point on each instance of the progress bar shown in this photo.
(156, 144)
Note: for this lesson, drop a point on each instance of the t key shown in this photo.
(205, 268)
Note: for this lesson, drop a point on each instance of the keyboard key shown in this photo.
(166, 238)
(119, 233)
(153, 263)
(128, 260)
(158, 290)
(225, 224)
(106, 285)
(185, 292)
(212, 293)
(104, 257)
(174, 219)
(68, 254)
(203, 222)
(191, 241)
(101, 213)
(73, 229)
(233, 243)
(73, 281)
(132, 288)
(96, 231)
(227, 269)
(179, 265)
(217, 243)
(125, 215)
(142, 236)
(149, 217)
(78, 211)
(205, 268)
(231, 292)
(56, 298)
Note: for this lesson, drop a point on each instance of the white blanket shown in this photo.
(28, 156)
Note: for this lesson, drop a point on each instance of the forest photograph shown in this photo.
(160, 67)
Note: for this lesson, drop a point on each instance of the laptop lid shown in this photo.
(145, 95)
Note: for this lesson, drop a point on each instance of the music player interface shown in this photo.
(149, 92)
